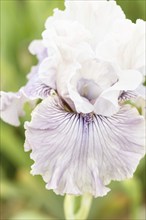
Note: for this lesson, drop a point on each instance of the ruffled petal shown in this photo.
(135, 48)
(90, 15)
(127, 95)
(37, 48)
(107, 103)
(65, 32)
(78, 153)
(36, 89)
(12, 103)
(86, 95)
(47, 71)
(12, 107)
(125, 45)
(102, 73)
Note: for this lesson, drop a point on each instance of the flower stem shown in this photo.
(70, 203)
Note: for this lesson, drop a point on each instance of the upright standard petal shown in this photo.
(90, 15)
(78, 153)
(125, 45)
(107, 103)
(37, 48)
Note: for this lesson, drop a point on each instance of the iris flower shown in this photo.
(84, 133)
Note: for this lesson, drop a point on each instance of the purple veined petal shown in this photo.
(78, 153)
(12, 103)
(36, 89)
(127, 95)
(12, 107)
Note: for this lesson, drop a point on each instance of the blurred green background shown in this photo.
(22, 195)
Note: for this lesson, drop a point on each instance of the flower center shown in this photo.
(88, 89)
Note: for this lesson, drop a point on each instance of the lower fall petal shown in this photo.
(127, 95)
(81, 153)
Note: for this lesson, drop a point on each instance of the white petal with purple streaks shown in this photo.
(35, 89)
(78, 153)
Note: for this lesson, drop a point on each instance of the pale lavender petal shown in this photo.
(78, 153)
(127, 95)
(12, 103)
(48, 70)
(37, 48)
(36, 89)
(12, 107)
(33, 72)
(141, 91)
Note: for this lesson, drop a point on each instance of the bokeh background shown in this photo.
(22, 195)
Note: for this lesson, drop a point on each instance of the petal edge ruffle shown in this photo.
(78, 153)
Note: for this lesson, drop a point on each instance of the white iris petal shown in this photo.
(12, 104)
(125, 45)
(82, 135)
(36, 89)
(78, 153)
(37, 48)
(47, 71)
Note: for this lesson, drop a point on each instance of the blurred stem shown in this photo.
(70, 203)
